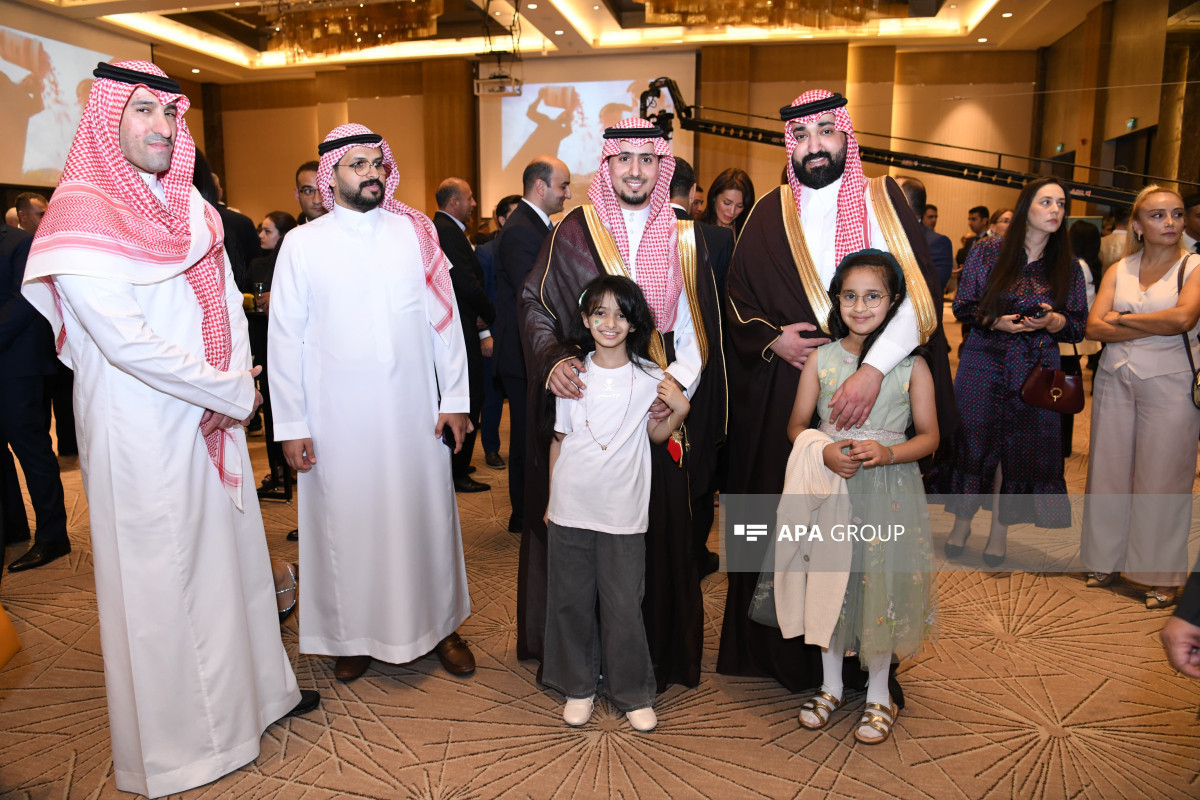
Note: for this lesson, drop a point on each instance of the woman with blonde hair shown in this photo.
(1138, 510)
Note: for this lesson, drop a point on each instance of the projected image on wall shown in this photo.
(566, 120)
(44, 86)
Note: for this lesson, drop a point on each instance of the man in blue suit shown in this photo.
(493, 396)
(940, 249)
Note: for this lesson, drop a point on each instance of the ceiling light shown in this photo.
(982, 39)
(497, 13)
(195, 72)
(532, 6)
(595, 8)
(1006, 14)
(558, 33)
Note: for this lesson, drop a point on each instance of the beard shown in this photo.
(355, 199)
(822, 176)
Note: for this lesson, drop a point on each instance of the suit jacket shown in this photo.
(720, 249)
(472, 300)
(241, 243)
(26, 340)
(517, 247)
(942, 253)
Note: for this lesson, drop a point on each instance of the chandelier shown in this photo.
(305, 28)
(772, 13)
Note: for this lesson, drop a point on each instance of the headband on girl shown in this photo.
(872, 252)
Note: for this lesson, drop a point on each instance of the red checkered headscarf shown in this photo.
(657, 265)
(852, 232)
(104, 206)
(437, 272)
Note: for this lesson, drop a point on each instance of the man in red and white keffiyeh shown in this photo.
(778, 305)
(629, 229)
(368, 370)
(128, 266)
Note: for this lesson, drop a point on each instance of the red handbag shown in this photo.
(1053, 389)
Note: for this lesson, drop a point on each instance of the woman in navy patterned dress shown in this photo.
(1021, 295)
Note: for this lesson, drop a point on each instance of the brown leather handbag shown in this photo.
(1053, 389)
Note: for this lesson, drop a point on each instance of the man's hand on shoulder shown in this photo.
(564, 379)
(794, 348)
(854, 399)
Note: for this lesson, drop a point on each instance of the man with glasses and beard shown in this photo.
(368, 372)
(777, 313)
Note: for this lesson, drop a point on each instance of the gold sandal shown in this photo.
(1156, 599)
(1099, 580)
(878, 717)
(822, 707)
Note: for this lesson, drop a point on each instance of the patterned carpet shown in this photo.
(1035, 687)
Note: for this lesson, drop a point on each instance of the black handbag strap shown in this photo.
(1187, 343)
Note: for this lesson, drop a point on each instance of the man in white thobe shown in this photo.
(128, 266)
(368, 371)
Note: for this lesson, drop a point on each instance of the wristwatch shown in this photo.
(1121, 314)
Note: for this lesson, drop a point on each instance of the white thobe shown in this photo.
(357, 366)
(818, 219)
(194, 668)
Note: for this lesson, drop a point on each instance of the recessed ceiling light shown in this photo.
(195, 72)
(532, 6)
(1006, 14)
(954, 5)
(982, 39)
(497, 13)
(558, 33)
(595, 8)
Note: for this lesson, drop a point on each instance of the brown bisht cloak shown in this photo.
(764, 292)
(671, 609)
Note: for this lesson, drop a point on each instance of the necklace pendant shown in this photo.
(603, 447)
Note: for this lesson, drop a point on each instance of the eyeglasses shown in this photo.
(362, 167)
(870, 299)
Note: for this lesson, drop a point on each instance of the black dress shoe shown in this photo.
(468, 484)
(294, 536)
(309, 700)
(515, 524)
(494, 460)
(470, 470)
(710, 562)
(41, 553)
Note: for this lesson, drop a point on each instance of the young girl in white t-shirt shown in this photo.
(599, 508)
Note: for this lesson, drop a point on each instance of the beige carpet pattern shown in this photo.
(1034, 687)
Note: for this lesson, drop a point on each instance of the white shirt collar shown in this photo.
(356, 220)
(820, 199)
(542, 214)
(155, 185)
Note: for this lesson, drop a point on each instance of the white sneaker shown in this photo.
(642, 719)
(578, 712)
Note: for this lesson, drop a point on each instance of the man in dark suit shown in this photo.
(26, 357)
(545, 186)
(493, 396)
(456, 203)
(940, 248)
(720, 248)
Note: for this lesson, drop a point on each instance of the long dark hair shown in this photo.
(732, 178)
(283, 222)
(885, 266)
(633, 305)
(1057, 261)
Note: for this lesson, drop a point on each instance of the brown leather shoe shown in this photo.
(455, 656)
(349, 668)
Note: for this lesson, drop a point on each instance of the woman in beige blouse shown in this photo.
(1137, 515)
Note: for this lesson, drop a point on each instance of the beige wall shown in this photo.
(1139, 39)
(930, 103)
